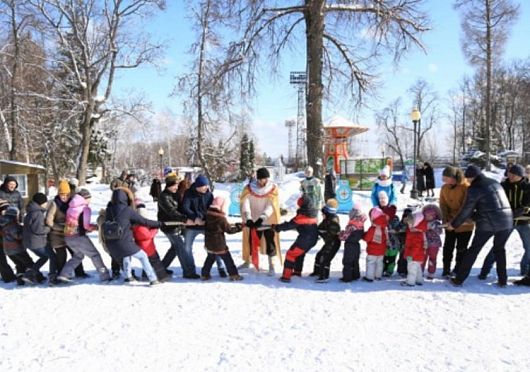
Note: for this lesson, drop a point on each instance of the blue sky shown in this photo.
(442, 66)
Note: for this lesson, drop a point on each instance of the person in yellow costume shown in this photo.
(260, 208)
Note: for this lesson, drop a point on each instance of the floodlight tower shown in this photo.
(299, 80)
(290, 124)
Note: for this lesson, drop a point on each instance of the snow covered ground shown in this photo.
(261, 324)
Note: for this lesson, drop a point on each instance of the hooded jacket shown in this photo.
(119, 210)
(214, 231)
(35, 231)
(486, 203)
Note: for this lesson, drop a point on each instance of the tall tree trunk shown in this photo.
(14, 75)
(488, 83)
(314, 19)
(86, 134)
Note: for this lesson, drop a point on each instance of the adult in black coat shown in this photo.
(118, 210)
(486, 203)
(156, 189)
(330, 184)
(430, 185)
(420, 180)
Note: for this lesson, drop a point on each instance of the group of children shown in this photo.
(411, 242)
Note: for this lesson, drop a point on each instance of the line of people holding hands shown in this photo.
(409, 243)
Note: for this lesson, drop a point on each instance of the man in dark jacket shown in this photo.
(197, 199)
(487, 204)
(9, 192)
(6, 272)
(168, 211)
(518, 192)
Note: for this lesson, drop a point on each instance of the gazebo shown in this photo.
(337, 131)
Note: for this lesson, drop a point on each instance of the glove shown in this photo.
(258, 222)
(409, 258)
(249, 224)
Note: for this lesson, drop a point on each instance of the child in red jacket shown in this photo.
(145, 238)
(415, 246)
(376, 244)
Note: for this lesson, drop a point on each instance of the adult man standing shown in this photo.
(518, 191)
(197, 199)
(9, 192)
(260, 205)
(168, 211)
(487, 204)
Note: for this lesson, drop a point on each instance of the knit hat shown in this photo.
(385, 171)
(472, 171)
(171, 180)
(308, 171)
(356, 211)
(382, 196)
(305, 204)
(218, 203)
(64, 187)
(201, 180)
(262, 173)
(331, 206)
(375, 213)
(84, 193)
(11, 211)
(449, 172)
(39, 198)
(517, 170)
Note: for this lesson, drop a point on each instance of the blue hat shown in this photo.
(472, 171)
(201, 181)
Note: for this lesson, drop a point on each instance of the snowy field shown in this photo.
(262, 324)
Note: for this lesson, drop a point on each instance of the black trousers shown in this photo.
(270, 245)
(6, 272)
(350, 261)
(22, 261)
(324, 257)
(227, 259)
(461, 240)
(480, 238)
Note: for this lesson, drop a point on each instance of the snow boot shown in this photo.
(524, 281)
(235, 278)
(271, 267)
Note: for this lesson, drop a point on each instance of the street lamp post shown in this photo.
(160, 157)
(415, 115)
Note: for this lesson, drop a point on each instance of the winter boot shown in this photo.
(206, 277)
(29, 277)
(235, 278)
(524, 281)
(271, 267)
(222, 273)
(244, 265)
(154, 282)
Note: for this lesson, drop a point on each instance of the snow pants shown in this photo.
(294, 261)
(414, 273)
(82, 246)
(430, 257)
(389, 261)
(350, 261)
(374, 267)
(324, 257)
(227, 259)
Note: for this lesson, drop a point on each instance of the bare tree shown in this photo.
(485, 25)
(426, 100)
(396, 134)
(341, 39)
(97, 38)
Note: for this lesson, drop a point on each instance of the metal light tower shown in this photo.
(299, 79)
(290, 125)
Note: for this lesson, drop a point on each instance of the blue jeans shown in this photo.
(146, 265)
(189, 238)
(524, 234)
(177, 249)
